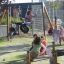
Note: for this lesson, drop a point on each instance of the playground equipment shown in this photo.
(23, 27)
(38, 19)
(4, 12)
(54, 54)
(52, 58)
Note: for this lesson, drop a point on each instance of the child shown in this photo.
(61, 33)
(28, 18)
(43, 46)
(56, 35)
(34, 50)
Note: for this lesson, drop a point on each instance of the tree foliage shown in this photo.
(56, 5)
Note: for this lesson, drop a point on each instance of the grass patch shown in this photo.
(22, 40)
(60, 60)
(49, 38)
(16, 41)
(16, 57)
(12, 58)
(1, 40)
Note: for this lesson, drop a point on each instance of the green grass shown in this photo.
(12, 58)
(15, 41)
(16, 57)
(60, 60)
(22, 40)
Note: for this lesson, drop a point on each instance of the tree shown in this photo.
(55, 5)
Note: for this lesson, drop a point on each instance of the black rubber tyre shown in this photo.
(24, 28)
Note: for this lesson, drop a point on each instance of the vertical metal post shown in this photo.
(7, 21)
(53, 9)
(54, 16)
(43, 20)
(19, 25)
(55, 22)
(10, 20)
(49, 9)
(32, 25)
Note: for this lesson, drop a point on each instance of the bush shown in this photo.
(13, 19)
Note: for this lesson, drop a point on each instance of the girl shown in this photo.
(34, 50)
(43, 46)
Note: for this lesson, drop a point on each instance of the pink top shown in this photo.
(62, 32)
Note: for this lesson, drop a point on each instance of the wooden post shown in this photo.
(54, 54)
(29, 58)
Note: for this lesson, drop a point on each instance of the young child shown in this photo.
(62, 33)
(28, 18)
(34, 50)
(61, 38)
(43, 46)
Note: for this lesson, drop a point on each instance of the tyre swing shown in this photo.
(24, 28)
